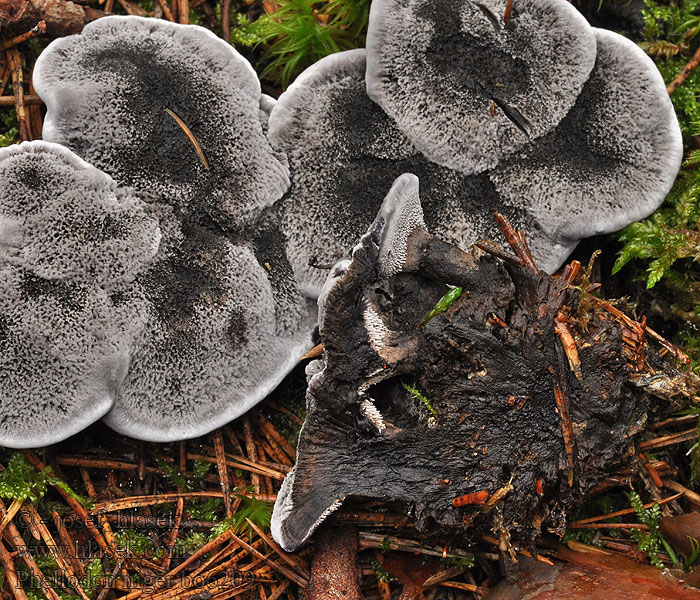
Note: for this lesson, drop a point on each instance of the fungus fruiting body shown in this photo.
(611, 160)
(185, 250)
(468, 86)
(170, 110)
(397, 409)
(608, 161)
(72, 244)
(174, 119)
(226, 324)
(344, 152)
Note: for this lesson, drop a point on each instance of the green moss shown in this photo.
(258, 511)
(301, 32)
(420, 396)
(667, 244)
(21, 481)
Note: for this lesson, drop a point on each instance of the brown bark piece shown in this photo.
(680, 529)
(62, 17)
(335, 574)
(589, 576)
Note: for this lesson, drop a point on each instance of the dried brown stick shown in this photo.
(566, 430)
(38, 29)
(677, 487)
(251, 451)
(68, 542)
(251, 466)
(292, 560)
(183, 12)
(167, 13)
(11, 577)
(208, 547)
(276, 438)
(508, 11)
(685, 71)
(226, 20)
(190, 136)
(99, 463)
(15, 538)
(569, 344)
(112, 580)
(174, 533)
(458, 585)
(223, 470)
(517, 242)
(155, 499)
(36, 122)
(15, 60)
(626, 511)
(489, 249)
(104, 523)
(616, 312)
(315, 352)
(670, 439)
(289, 574)
(29, 100)
(374, 540)
(9, 514)
(285, 411)
(55, 552)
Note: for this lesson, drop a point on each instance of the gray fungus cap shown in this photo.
(71, 245)
(176, 114)
(467, 87)
(611, 160)
(171, 110)
(344, 155)
(226, 323)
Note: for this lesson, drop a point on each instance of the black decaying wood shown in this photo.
(523, 407)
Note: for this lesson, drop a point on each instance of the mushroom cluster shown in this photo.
(565, 128)
(163, 247)
(145, 277)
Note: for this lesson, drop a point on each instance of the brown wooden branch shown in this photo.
(167, 13)
(11, 578)
(223, 470)
(517, 242)
(226, 20)
(569, 344)
(14, 58)
(15, 538)
(61, 17)
(676, 352)
(183, 12)
(685, 71)
(566, 430)
(38, 29)
(626, 511)
(29, 100)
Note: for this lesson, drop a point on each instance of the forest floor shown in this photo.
(102, 516)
